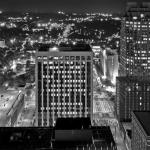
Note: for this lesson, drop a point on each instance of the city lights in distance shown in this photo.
(135, 18)
(54, 48)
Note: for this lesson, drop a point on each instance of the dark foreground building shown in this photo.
(140, 130)
(70, 133)
(132, 93)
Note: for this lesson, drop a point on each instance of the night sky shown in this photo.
(64, 5)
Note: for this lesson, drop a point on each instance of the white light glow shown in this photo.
(13, 65)
(104, 77)
(110, 89)
(54, 48)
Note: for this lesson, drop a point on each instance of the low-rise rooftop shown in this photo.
(65, 48)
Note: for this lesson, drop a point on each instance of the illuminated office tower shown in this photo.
(133, 85)
(64, 79)
(135, 40)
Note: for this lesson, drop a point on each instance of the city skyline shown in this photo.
(72, 80)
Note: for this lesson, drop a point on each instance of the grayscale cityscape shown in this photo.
(75, 75)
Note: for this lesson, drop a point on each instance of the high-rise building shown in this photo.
(133, 93)
(140, 130)
(133, 85)
(64, 79)
(135, 40)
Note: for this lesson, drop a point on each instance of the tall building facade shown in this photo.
(133, 85)
(133, 93)
(112, 67)
(135, 40)
(140, 130)
(64, 79)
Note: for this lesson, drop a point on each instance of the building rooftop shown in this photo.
(143, 118)
(65, 48)
(72, 123)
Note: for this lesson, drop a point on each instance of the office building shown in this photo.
(64, 78)
(140, 130)
(112, 66)
(133, 93)
(135, 40)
